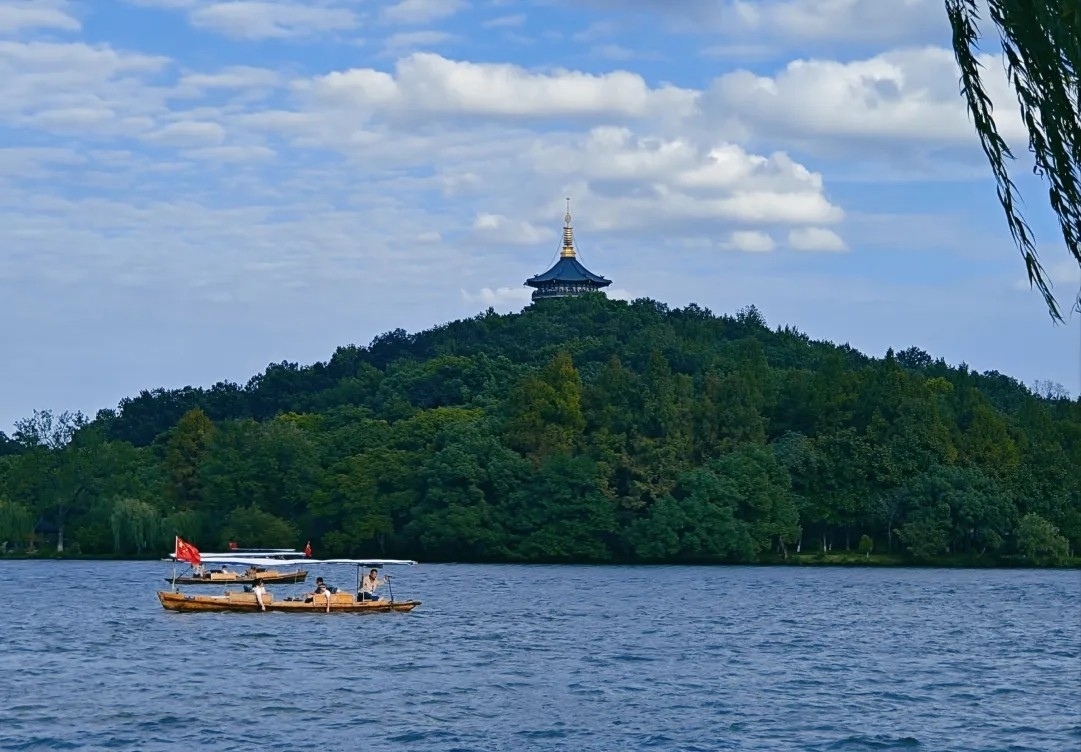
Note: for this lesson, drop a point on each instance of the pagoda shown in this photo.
(567, 276)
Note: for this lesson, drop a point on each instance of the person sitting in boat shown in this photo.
(260, 593)
(322, 590)
(369, 585)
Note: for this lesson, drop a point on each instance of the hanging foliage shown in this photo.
(1041, 44)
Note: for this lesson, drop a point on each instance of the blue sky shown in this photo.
(191, 189)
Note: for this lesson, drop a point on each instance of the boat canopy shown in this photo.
(266, 551)
(269, 556)
(250, 561)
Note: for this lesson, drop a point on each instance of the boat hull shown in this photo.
(288, 578)
(246, 603)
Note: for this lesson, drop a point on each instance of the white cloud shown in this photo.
(815, 239)
(504, 169)
(1066, 273)
(637, 182)
(425, 83)
(22, 15)
(77, 88)
(867, 22)
(504, 22)
(1065, 277)
(188, 133)
(422, 11)
(402, 42)
(163, 3)
(616, 52)
(905, 95)
(500, 297)
(231, 154)
(499, 230)
(249, 19)
(751, 241)
(863, 21)
(233, 77)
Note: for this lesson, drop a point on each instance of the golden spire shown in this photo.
(568, 234)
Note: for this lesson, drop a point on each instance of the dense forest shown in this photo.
(581, 429)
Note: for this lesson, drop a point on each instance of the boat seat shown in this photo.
(248, 596)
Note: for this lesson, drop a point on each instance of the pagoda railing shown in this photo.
(563, 289)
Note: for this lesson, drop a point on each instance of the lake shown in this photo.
(551, 658)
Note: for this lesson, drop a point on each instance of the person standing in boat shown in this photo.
(369, 585)
(259, 591)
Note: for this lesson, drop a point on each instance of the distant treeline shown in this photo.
(582, 430)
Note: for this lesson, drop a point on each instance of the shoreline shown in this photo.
(843, 560)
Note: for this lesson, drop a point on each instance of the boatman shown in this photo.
(369, 584)
(259, 591)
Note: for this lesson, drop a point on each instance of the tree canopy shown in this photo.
(581, 429)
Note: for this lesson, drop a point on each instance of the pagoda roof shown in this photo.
(568, 269)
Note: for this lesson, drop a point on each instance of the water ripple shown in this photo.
(735, 658)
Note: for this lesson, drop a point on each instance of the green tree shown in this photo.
(461, 487)
(16, 525)
(559, 514)
(257, 529)
(363, 497)
(866, 545)
(185, 451)
(762, 490)
(698, 522)
(1039, 541)
(136, 526)
(546, 411)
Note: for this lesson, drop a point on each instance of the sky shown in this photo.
(191, 190)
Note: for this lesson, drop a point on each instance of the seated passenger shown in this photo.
(259, 591)
(369, 585)
(321, 591)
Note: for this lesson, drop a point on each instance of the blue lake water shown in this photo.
(551, 658)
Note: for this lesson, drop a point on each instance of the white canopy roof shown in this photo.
(284, 553)
(244, 560)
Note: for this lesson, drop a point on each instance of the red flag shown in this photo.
(187, 552)
(308, 550)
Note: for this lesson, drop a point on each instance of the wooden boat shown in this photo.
(247, 577)
(246, 601)
(337, 603)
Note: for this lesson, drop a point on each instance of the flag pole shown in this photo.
(176, 546)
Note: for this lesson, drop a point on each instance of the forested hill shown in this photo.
(582, 429)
